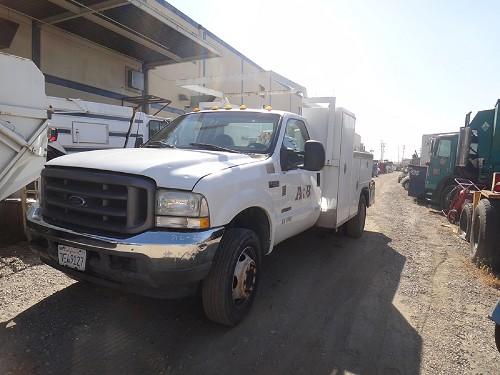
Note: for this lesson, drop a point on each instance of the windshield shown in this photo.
(246, 132)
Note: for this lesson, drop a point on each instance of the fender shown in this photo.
(233, 190)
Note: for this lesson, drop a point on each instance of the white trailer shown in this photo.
(23, 123)
(84, 126)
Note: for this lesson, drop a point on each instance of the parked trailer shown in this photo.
(23, 123)
(81, 125)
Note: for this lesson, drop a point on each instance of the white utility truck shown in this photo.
(202, 202)
(23, 123)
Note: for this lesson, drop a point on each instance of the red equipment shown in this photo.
(461, 194)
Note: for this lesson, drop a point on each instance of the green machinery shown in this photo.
(473, 153)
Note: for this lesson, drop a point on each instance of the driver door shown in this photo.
(298, 208)
(440, 163)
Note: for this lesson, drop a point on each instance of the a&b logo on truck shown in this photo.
(303, 192)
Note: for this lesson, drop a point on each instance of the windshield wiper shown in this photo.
(212, 147)
(161, 143)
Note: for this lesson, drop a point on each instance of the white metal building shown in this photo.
(105, 50)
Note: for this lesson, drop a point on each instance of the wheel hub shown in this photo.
(244, 276)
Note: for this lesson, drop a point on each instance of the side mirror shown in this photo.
(287, 159)
(139, 141)
(314, 156)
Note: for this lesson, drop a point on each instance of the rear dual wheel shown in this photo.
(356, 226)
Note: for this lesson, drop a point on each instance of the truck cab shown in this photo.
(201, 203)
(473, 154)
(442, 161)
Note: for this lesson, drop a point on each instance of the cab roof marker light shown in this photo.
(196, 109)
(227, 106)
(215, 108)
(243, 107)
(268, 108)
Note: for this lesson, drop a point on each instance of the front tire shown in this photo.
(483, 239)
(447, 195)
(229, 290)
(465, 221)
(356, 226)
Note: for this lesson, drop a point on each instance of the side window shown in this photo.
(444, 148)
(294, 140)
(155, 126)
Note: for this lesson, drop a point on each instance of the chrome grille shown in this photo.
(97, 200)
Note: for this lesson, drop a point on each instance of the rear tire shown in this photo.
(356, 226)
(465, 221)
(484, 229)
(229, 290)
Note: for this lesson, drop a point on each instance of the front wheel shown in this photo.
(356, 225)
(229, 290)
(447, 196)
(465, 222)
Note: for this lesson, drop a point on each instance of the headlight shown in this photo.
(179, 209)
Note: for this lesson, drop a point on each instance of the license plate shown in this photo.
(72, 257)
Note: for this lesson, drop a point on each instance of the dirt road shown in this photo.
(401, 300)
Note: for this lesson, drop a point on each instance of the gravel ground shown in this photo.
(403, 299)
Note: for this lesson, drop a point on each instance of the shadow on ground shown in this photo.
(325, 306)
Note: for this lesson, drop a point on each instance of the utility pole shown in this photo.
(398, 153)
(402, 158)
(382, 149)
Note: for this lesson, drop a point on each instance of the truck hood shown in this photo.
(170, 168)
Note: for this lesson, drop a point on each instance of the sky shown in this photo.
(405, 68)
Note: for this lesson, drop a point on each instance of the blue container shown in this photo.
(417, 175)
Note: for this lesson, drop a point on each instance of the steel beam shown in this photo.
(157, 47)
(66, 16)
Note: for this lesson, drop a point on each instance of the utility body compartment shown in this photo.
(347, 172)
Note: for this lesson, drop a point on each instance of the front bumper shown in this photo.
(164, 264)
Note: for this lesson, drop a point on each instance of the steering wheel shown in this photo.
(257, 146)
